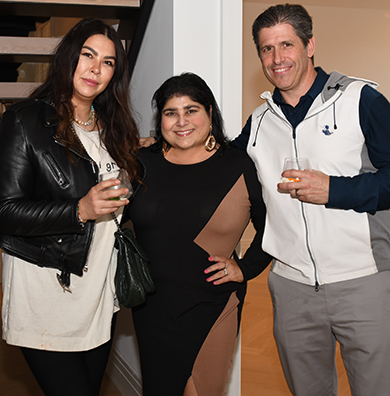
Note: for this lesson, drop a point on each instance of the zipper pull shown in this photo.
(317, 288)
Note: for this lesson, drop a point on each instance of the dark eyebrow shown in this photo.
(185, 108)
(265, 46)
(190, 106)
(89, 48)
(282, 43)
(95, 53)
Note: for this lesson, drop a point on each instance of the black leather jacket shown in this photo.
(40, 188)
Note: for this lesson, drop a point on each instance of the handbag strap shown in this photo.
(116, 221)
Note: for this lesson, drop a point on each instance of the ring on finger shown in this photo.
(226, 264)
(226, 272)
(296, 193)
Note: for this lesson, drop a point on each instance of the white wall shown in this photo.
(203, 37)
(155, 62)
(207, 40)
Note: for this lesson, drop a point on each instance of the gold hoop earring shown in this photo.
(165, 148)
(210, 141)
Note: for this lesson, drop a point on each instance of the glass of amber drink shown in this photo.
(298, 163)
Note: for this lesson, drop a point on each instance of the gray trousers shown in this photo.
(307, 324)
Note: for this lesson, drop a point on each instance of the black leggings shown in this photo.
(70, 373)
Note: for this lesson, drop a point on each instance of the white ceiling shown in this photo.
(371, 4)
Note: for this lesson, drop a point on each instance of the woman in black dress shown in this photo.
(198, 196)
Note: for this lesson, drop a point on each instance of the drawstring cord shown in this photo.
(336, 88)
(258, 127)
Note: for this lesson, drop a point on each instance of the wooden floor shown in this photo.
(261, 371)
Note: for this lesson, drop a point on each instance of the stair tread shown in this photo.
(107, 9)
(18, 90)
(111, 3)
(28, 45)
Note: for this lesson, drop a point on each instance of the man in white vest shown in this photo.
(328, 223)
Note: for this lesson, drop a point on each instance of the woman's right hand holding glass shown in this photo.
(100, 200)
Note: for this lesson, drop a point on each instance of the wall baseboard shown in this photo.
(123, 375)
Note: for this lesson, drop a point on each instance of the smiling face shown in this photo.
(286, 61)
(94, 70)
(185, 124)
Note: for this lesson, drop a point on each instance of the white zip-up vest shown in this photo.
(312, 244)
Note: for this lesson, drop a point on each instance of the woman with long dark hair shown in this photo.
(56, 225)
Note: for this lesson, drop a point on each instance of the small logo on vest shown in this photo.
(326, 131)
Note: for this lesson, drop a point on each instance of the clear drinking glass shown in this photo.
(124, 183)
(298, 163)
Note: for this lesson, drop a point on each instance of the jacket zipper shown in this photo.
(87, 158)
(56, 169)
(317, 284)
(294, 134)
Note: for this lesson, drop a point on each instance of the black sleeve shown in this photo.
(368, 191)
(241, 141)
(255, 259)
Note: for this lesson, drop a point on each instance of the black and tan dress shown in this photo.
(182, 215)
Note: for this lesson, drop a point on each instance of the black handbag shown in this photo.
(133, 281)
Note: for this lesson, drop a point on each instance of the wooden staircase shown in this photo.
(131, 15)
